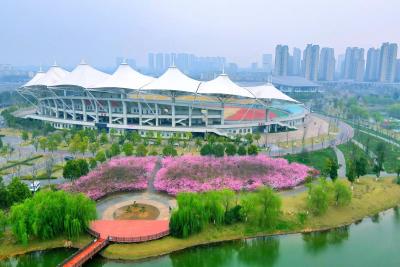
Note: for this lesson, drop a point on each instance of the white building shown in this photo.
(174, 102)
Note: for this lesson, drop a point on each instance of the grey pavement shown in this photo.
(341, 161)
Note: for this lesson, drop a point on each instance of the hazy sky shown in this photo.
(40, 31)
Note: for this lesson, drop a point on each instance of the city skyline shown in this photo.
(101, 31)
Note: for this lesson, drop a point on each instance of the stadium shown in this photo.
(171, 103)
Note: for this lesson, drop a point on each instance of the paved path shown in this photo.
(345, 134)
(341, 161)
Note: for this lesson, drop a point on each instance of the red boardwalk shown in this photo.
(130, 230)
(85, 253)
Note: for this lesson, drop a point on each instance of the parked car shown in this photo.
(34, 186)
(67, 158)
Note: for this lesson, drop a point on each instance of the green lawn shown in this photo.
(314, 159)
(392, 156)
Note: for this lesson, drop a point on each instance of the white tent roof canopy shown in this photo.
(125, 77)
(173, 80)
(268, 91)
(35, 78)
(52, 76)
(222, 85)
(84, 76)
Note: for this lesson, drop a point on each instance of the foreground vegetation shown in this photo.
(368, 198)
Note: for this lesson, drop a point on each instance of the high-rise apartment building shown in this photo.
(387, 62)
(354, 64)
(159, 63)
(267, 62)
(372, 68)
(397, 79)
(281, 60)
(295, 62)
(150, 62)
(340, 65)
(326, 71)
(310, 62)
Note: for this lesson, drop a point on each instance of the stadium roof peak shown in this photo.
(173, 80)
(125, 77)
(268, 91)
(52, 76)
(35, 78)
(223, 85)
(83, 75)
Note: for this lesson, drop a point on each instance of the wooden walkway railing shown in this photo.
(120, 239)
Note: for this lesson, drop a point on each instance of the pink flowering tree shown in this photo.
(117, 175)
(198, 173)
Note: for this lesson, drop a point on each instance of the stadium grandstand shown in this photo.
(171, 103)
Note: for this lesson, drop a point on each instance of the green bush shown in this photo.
(169, 150)
(75, 168)
(218, 150)
(206, 150)
(230, 149)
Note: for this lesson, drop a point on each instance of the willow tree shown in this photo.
(49, 214)
(214, 210)
(269, 207)
(190, 217)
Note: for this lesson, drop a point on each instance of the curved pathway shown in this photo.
(341, 161)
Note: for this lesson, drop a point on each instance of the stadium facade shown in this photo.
(173, 102)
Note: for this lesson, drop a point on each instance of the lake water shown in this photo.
(373, 242)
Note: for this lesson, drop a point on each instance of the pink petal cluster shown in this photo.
(198, 174)
(117, 175)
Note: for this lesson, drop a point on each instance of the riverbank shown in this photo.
(9, 247)
(369, 198)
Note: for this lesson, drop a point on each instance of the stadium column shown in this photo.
(56, 106)
(97, 110)
(109, 112)
(173, 109)
(190, 116)
(222, 113)
(124, 112)
(156, 107)
(84, 109)
(140, 113)
(73, 109)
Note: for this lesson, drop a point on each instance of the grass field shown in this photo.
(314, 159)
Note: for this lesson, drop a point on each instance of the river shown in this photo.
(373, 242)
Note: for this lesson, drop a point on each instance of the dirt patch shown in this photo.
(137, 211)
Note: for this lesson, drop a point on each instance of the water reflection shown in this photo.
(38, 258)
(259, 252)
(204, 256)
(254, 252)
(317, 241)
